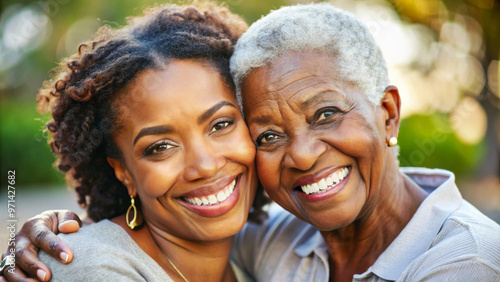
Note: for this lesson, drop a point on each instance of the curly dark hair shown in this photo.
(81, 94)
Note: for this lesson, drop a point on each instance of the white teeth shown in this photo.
(329, 181)
(205, 201)
(212, 199)
(309, 189)
(335, 178)
(314, 187)
(198, 201)
(322, 184)
(326, 183)
(221, 196)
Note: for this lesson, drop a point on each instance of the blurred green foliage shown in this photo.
(23, 146)
(429, 141)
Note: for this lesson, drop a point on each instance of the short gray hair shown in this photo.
(319, 27)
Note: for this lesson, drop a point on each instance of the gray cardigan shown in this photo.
(103, 251)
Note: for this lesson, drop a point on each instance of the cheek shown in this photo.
(268, 171)
(363, 143)
(153, 182)
(357, 137)
(241, 148)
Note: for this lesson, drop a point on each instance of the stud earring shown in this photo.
(393, 141)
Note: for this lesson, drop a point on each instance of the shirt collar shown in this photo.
(424, 225)
(315, 243)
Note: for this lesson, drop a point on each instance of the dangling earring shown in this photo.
(393, 141)
(133, 223)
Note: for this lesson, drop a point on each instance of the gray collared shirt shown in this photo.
(446, 240)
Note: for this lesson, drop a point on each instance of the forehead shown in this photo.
(296, 67)
(293, 77)
(182, 87)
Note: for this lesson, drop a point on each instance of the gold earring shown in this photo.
(132, 224)
(393, 141)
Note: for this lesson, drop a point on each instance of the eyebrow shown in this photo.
(210, 112)
(267, 119)
(162, 129)
(154, 130)
(315, 98)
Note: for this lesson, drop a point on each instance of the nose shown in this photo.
(202, 160)
(303, 151)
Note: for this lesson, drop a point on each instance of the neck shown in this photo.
(354, 248)
(196, 260)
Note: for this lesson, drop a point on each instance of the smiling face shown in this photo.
(186, 151)
(321, 145)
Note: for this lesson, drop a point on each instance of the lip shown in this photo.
(317, 177)
(212, 188)
(313, 178)
(215, 209)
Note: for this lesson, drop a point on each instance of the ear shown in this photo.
(123, 175)
(391, 104)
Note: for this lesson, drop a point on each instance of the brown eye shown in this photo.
(158, 148)
(266, 138)
(162, 147)
(220, 125)
(325, 115)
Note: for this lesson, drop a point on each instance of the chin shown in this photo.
(224, 229)
(329, 220)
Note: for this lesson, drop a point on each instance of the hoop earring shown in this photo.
(132, 224)
(393, 141)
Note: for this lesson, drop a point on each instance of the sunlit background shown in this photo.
(443, 56)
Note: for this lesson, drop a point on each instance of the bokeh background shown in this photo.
(442, 54)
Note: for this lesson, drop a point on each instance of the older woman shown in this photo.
(314, 89)
(315, 94)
